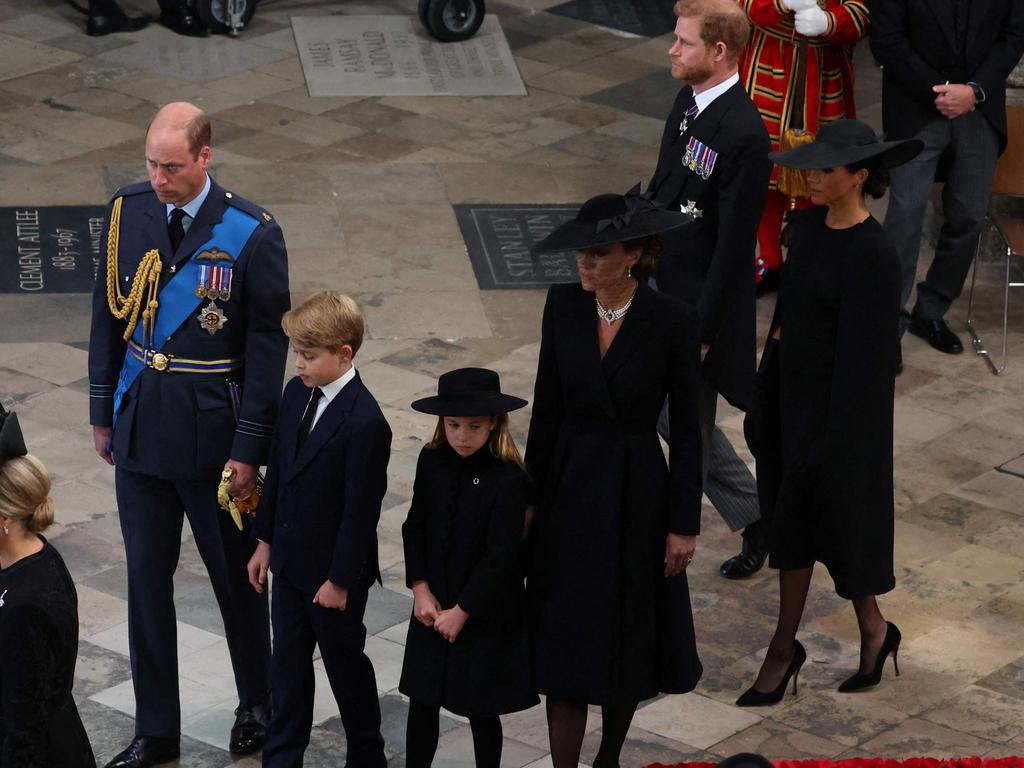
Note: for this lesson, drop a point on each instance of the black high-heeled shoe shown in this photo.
(755, 698)
(862, 680)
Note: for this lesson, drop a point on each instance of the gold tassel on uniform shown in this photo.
(147, 279)
(791, 181)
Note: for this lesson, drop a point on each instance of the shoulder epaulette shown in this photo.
(137, 188)
(248, 207)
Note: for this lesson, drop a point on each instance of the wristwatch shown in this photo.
(979, 92)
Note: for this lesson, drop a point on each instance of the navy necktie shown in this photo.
(307, 418)
(176, 228)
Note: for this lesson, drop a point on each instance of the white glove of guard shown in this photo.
(798, 5)
(811, 22)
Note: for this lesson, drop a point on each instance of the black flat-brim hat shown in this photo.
(746, 760)
(845, 142)
(12, 443)
(469, 392)
(608, 219)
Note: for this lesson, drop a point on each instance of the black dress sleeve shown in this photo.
(546, 418)
(685, 450)
(28, 667)
(414, 529)
(499, 563)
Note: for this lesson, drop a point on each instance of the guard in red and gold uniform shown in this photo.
(768, 67)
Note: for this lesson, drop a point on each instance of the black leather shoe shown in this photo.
(97, 26)
(937, 334)
(752, 555)
(184, 22)
(145, 751)
(249, 729)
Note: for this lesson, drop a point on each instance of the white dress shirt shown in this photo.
(330, 392)
(704, 98)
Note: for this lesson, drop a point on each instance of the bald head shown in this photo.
(186, 118)
(721, 21)
(178, 152)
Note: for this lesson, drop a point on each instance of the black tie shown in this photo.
(307, 418)
(176, 229)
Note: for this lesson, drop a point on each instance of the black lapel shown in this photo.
(292, 410)
(329, 422)
(635, 332)
(588, 350)
(943, 12)
(156, 212)
(210, 213)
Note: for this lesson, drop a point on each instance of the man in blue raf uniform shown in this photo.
(186, 360)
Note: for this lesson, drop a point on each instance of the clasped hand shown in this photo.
(954, 99)
(428, 612)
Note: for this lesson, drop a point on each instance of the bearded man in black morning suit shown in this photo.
(714, 165)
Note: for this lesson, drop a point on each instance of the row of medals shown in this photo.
(212, 293)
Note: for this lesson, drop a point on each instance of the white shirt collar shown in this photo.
(331, 390)
(192, 208)
(704, 98)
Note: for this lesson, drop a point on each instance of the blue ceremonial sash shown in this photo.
(178, 298)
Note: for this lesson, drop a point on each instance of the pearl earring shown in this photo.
(7, 531)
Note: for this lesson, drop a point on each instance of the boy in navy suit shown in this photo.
(317, 531)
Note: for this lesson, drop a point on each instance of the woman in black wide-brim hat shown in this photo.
(615, 527)
(823, 438)
(39, 722)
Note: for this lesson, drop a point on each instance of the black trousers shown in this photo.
(152, 513)
(299, 627)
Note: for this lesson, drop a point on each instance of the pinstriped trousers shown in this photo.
(728, 484)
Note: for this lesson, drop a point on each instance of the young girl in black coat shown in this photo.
(467, 644)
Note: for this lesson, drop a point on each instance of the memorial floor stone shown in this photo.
(649, 18)
(499, 239)
(394, 56)
(51, 249)
(197, 60)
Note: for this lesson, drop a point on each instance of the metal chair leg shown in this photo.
(976, 341)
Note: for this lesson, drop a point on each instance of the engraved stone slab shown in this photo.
(649, 18)
(499, 237)
(394, 56)
(198, 60)
(50, 249)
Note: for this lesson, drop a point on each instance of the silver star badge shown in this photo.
(691, 209)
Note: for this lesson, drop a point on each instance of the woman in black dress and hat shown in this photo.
(834, 346)
(39, 723)
(615, 528)
(467, 647)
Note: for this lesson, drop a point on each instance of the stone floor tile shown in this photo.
(643, 748)
(995, 489)
(99, 669)
(387, 662)
(55, 363)
(779, 742)
(963, 650)
(454, 314)
(1007, 680)
(98, 611)
(981, 712)
(385, 609)
(915, 738)
(842, 718)
(693, 719)
(455, 750)
(397, 634)
(317, 130)
(194, 697)
(19, 57)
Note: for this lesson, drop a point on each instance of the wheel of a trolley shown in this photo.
(226, 16)
(452, 20)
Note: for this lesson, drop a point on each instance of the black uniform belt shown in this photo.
(165, 363)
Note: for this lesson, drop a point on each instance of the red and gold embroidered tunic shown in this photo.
(768, 65)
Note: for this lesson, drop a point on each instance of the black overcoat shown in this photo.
(838, 311)
(607, 626)
(39, 723)
(916, 43)
(463, 537)
(709, 263)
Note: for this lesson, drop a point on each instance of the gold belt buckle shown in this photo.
(159, 362)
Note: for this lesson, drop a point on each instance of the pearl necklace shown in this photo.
(611, 315)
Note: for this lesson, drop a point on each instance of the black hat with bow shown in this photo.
(608, 219)
(12, 444)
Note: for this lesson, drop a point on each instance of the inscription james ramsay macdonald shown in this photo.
(499, 238)
(51, 249)
(391, 55)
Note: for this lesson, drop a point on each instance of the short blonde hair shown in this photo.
(721, 21)
(25, 493)
(326, 319)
